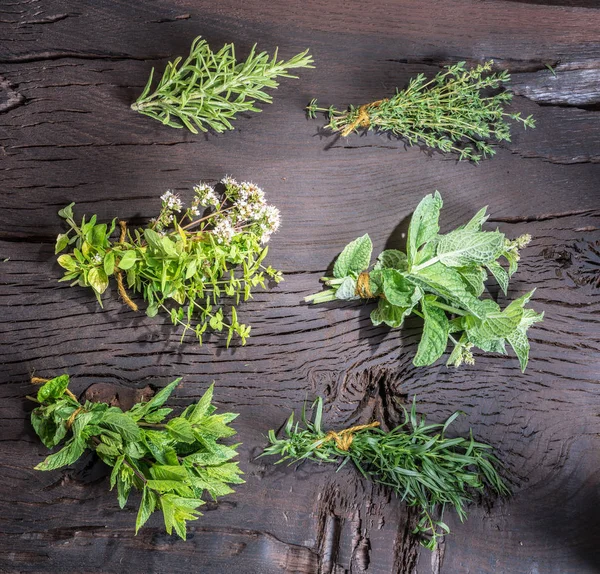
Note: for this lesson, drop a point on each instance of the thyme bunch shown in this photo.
(449, 112)
(416, 460)
(172, 463)
(440, 278)
(208, 89)
(186, 261)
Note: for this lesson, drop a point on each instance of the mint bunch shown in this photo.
(441, 279)
(172, 462)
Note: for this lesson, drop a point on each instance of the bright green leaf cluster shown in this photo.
(209, 89)
(416, 460)
(448, 112)
(440, 278)
(186, 261)
(171, 462)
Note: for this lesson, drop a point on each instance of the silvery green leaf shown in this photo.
(392, 259)
(499, 274)
(464, 247)
(520, 343)
(398, 290)
(424, 224)
(475, 278)
(477, 220)
(497, 323)
(355, 257)
(435, 333)
(347, 290)
(389, 314)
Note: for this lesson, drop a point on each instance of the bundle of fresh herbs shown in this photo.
(440, 278)
(171, 462)
(185, 260)
(449, 112)
(416, 460)
(208, 89)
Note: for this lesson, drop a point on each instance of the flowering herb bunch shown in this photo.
(185, 261)
(416, 460)
(449, 112)
(171, 462)
(209, 88)
(441, 279)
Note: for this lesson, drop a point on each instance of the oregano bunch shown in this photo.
(416, 460)
(441, 279)
(208, 89)
(171, 462)
(452, 112)
(186, 261)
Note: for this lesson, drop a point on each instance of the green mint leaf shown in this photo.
(121, 423)
(355, 257)
(398, 290)
(499, 274)
(392, 259)
(140, 410)
(477, 220)
(181, 430)
(62, 240)
(466, 247)
(389, 314)
(202, 406)
(147, 506)
(53, 389)
(520, 343)
(424, 224)
(435, 333)
(72, 450)
(496, 325)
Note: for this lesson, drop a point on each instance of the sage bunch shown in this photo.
(171, 462)
(208, 89)
(440, 278)
(453, 112)
(426, 469)
(185, 261)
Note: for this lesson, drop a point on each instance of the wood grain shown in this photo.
(68, 72)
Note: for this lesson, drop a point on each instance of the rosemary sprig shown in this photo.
(186, 261)
(416, 460)
(447, 112)
(208, 89)
(170, 462)
(440, 278)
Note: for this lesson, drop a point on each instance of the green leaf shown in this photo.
(67, 262)
(392, 259)
(389, 314)
(201, 408)
(109, 263)
(398, 290)
(355, 257)
(115, 471)
(128, 259)
(520, 343)
(499, 274)
(177, 510)
(463, 247)
(146, 509)
(152, 310)
(67, 212)
(181, 430)
(123, 424)
(424, 224)
(435, 333)
(62, 241)
(474, 278)
(153, 239)
(72, 450)
(347, 290)
(158, 400)
(53, 389)
(496, 325)
(98, 280)
(477, 220)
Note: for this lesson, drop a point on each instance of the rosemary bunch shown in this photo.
(185, 261)
(448, 112)
(170, 462)
(208, 89)
(416, 460)
(440, 278)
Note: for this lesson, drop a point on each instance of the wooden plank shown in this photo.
(68, 74)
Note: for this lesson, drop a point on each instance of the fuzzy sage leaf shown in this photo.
(172, 463)
(450, 112)
(208, 89)
(416, 460)
(186, 262)
(441, 279)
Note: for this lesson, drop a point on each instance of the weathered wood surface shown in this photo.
(68, 72)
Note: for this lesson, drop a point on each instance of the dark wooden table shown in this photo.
(68, 72)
